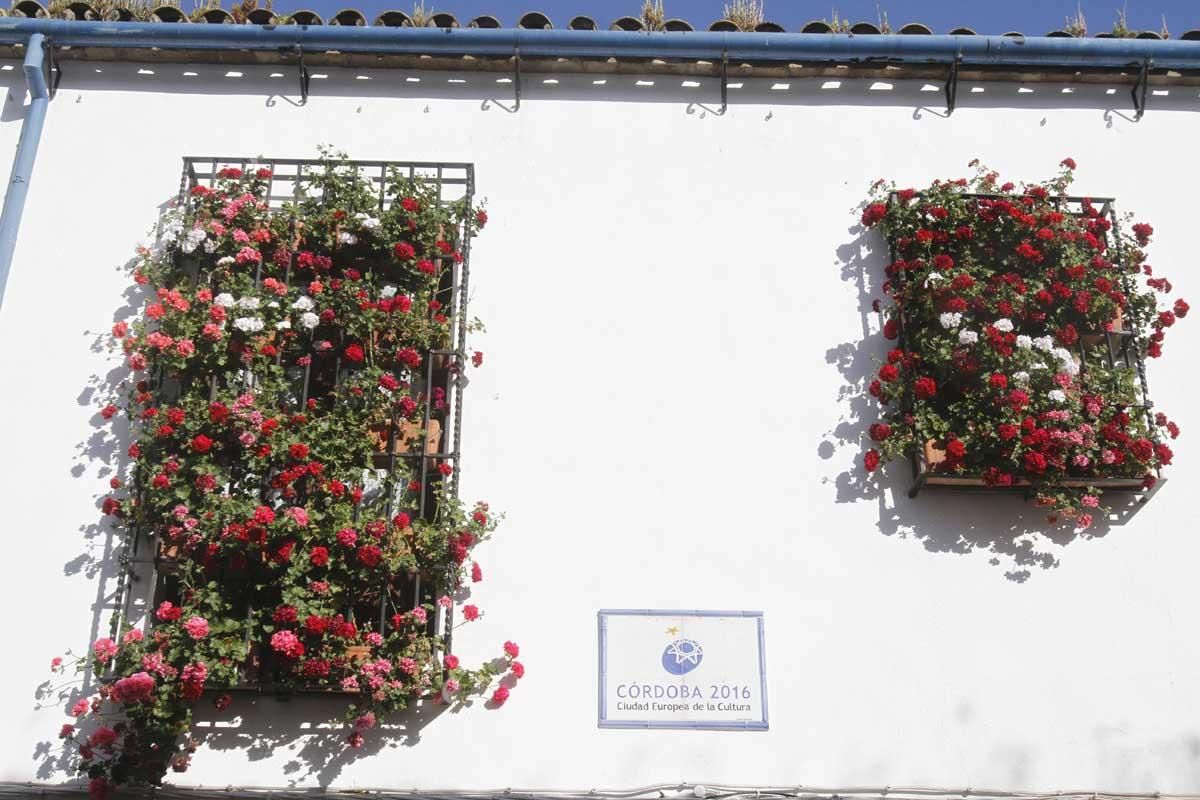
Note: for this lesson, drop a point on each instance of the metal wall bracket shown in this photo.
(304, 76)
(1139, 89)
(51, 68)
(517, 77)
(724, 82)
(952, 86)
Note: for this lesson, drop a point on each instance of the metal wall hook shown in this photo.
(303, 74)
(51, 68)
(1139, 88)
(517, 77)
(952, 85)
(724, 82)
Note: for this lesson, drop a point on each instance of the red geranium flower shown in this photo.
(925, 388)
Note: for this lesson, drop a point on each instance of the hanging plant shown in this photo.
(276, 349)
(1020, 318)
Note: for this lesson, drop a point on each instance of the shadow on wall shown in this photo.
(103, 456)
(1016, 533)
(261, 726)
(696, 96)
(257, 723)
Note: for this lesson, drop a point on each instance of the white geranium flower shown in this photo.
(1062, 354)
(1004, 325)
(283, 325)
(1024, 342)
(1021, 377)
(210, 245)
(968, 337)
(248, 324)
(366, 220)
(303, 303)
(346, 237)
(172, 229)
(950, 319)
(934, 277)
(194, 237)
(1057, 395)
(309, 320)
(248, 303)
(1044, 343)
(1070, 368)
(226, 261)
(1038, 365)
(224, 299)
(388, 292)
(273, 304)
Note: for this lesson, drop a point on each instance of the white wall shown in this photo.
(677, 315)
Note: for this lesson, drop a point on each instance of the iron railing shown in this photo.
(387, 478)
(1122, 348)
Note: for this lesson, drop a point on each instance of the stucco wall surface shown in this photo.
(678, 325)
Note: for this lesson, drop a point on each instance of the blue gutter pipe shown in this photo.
(705, 45)
(1030, 52)
(27, 147)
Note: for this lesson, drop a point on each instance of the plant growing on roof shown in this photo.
(241, 10)
(653, 15)
(273, 345)
(838, 24)
(1120, 28)
(1076, 25)
(421, 17)
(745, 14)
(1006, 307)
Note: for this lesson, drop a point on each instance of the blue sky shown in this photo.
(985, 16)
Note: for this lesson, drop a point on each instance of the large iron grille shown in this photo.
(147, 576)
(1118, 349)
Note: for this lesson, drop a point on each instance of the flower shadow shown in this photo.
(102, 455)
(262, 726)
(1018, 536)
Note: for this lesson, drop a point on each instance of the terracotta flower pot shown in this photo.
(1116, 324)
(252, 665)
(358, 652)
(934, 453)
(408, 434)
(169, 554)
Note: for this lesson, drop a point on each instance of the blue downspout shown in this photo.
(27, 147)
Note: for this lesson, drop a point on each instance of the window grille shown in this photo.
(146, 577)
(1116, 349)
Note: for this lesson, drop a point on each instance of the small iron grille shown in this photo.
(1119, 348)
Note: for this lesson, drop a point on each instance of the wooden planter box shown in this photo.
(933, 454)
(408, 437)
